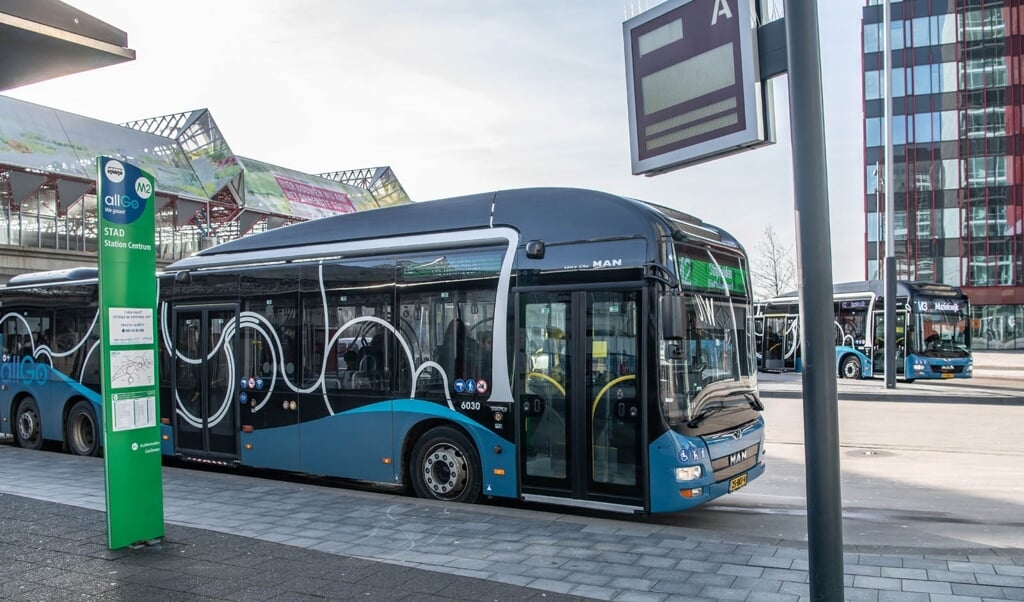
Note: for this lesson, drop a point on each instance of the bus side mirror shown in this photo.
(673, 317)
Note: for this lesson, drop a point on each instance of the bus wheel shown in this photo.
(28, 430)
(445, 466)
(851, 367)
(82, 436)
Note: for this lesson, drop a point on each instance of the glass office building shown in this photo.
(958, 168)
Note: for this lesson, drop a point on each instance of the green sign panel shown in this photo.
(127, 263)
(701, 274)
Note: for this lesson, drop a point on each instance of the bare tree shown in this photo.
(774, 266)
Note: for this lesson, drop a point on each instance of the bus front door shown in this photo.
(791, 345)
(581, 416)
(205, 419)
(901, 343)
(774, 343)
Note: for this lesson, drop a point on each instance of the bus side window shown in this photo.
(459, 353)
(70, 328)
(486, 352)
(14, 333)
(289, 348)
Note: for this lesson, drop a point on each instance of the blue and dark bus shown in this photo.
(933, 336)
(551, 345)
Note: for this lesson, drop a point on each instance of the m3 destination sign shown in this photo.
(127, 280)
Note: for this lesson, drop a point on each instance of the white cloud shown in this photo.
(458, 96)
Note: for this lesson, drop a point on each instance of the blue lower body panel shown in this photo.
(367, 443)
(672, 450)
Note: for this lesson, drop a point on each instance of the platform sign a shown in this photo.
(693, 87)
(125, 196)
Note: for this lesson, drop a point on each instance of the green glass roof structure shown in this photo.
(195, 169)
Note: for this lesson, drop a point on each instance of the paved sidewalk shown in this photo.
(999, 364)
(1004, 391)
(998, 377)
(239, 537)
(52, 552)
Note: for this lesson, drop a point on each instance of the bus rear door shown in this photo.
(581, 416)
(205, 420)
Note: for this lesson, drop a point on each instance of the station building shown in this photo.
(958, 156)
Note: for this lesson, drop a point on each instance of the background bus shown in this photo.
(554, 345)
(933, 334)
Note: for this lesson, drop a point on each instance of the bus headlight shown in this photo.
(919, 367)
(688, 473)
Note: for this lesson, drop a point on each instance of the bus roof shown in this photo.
(903, 288)
(551, 215)
(54, 276)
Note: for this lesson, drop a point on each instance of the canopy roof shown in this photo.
(43, 39)
(190, 159)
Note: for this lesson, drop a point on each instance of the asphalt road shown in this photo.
(941, 470)
(932, 466)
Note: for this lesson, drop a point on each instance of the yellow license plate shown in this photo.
(737, 482)
(947, 375)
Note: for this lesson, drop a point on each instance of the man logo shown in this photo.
(114, 170)
(737, 457)
(143, 188)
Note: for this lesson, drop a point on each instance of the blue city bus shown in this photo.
(558, 346)
(933, 336)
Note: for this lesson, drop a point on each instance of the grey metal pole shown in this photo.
(821, 415)
(879, 225)
(890, 214)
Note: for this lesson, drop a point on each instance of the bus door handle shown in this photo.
(533, 405)
(627, 410)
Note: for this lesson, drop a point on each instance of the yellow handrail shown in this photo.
(597, 400)
(541, 375)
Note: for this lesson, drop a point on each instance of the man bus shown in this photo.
(933, 337)
(620, 373)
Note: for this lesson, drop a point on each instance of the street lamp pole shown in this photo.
(890, 214)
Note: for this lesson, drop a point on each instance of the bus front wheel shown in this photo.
(28, 429)
(851, 367)
(81, 432)
(445, 466)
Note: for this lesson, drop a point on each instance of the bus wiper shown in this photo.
(707, 412)
(704, 415)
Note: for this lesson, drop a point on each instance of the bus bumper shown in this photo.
(727, 462)
(926, 367)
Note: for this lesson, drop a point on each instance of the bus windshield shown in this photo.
(943, 334)
(713, 363)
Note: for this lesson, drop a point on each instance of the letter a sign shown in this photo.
(694, 90)
(721, 8)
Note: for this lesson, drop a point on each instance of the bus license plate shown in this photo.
(947, 375)
(737, 482)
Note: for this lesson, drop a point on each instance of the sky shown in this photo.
(460, 97)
